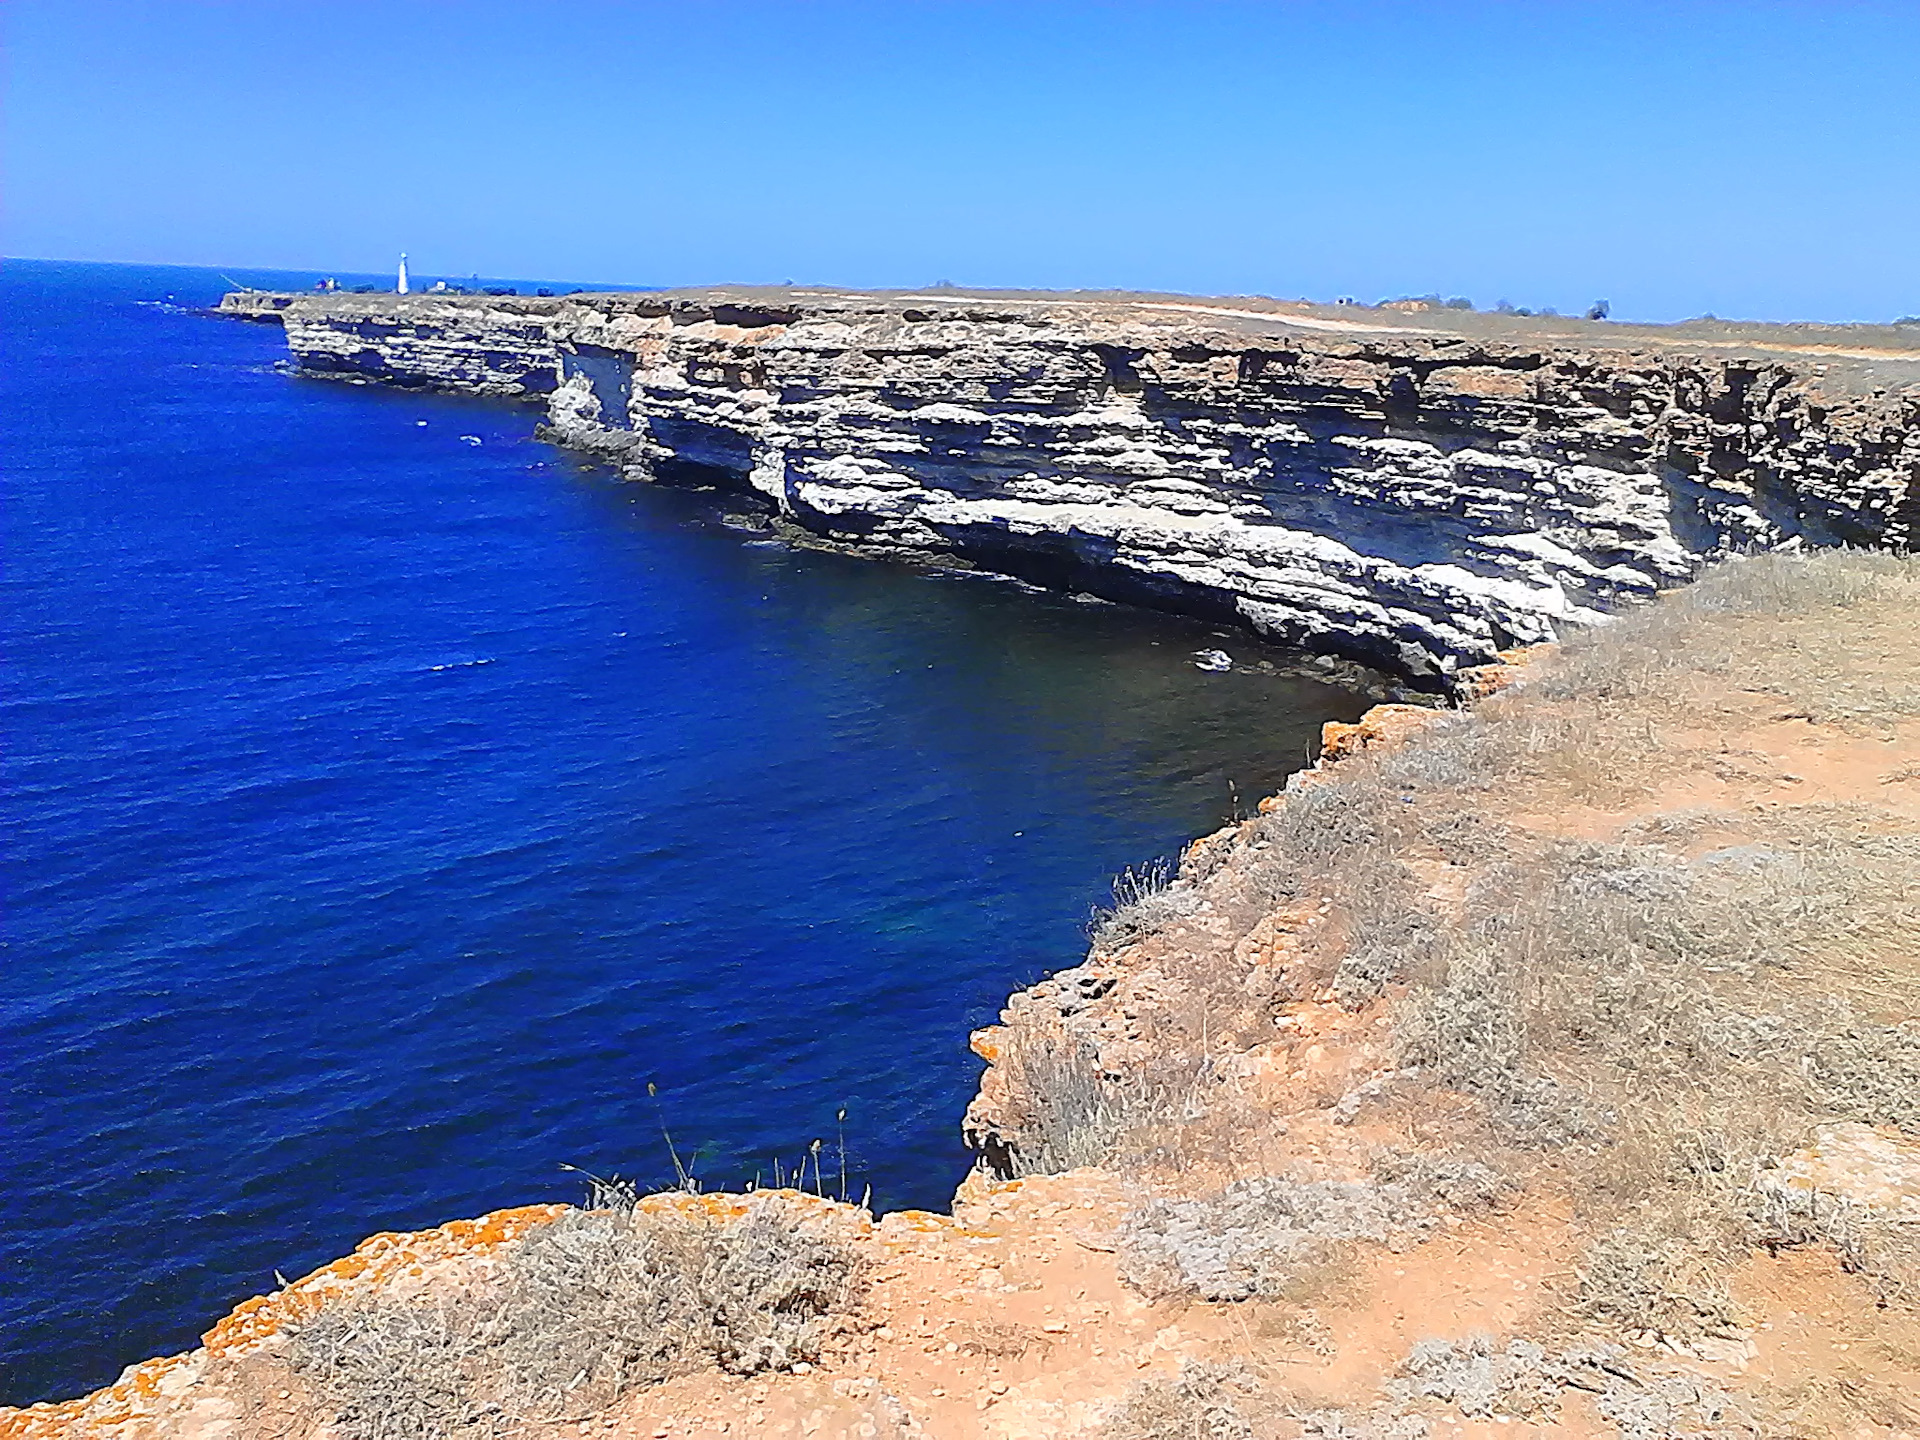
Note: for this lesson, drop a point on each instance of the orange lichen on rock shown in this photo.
(1395, 724)
(138, 1390)
(376, 1260)
(1383, 724)
(1479, 681)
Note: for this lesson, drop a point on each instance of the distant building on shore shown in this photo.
(401, 287)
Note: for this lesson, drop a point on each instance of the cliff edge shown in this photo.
(1412, 491)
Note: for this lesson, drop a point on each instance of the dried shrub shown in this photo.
(401, 1369)
(1662, 1269)
(1319, 830)
(1443, 1183)
(1264, 1238)
(1386, 927)
(1882, 1246)
(633, 1299)
(1067, 1112)
(1523, 1380)
(1479, 1380)
(1144, 900)
(576, 1315)
(1274, 1237)
(1202, 1402)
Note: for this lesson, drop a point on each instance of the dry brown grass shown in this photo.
(1202, 1402)
(1683, 1021)
(1859, 1396)
(1068, 1109)
(1668, 1010)
(577, 1315)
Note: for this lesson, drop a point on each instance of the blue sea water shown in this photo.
(392, 799)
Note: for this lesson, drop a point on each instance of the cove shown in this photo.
(393, 799)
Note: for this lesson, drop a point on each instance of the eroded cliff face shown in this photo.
(501, 347)
(1408, 497)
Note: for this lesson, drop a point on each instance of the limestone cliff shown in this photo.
(1417, 494)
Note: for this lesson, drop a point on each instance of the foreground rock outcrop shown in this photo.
(1413, 492)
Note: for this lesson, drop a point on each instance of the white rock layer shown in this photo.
(1416, 500)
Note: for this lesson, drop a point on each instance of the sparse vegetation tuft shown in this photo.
(1072, 1113)
(1144, 900)
(1201, 1402)
(1276, 1237)
(575, 1316)
(1522, 1380)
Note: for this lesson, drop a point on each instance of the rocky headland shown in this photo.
(1415, 491)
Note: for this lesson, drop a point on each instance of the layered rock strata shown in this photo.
(1400, 494)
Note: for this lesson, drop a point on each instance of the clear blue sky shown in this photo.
(1744, 159)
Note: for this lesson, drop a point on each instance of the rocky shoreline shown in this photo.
(1410, 492)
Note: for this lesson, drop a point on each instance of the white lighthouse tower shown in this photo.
(402, 286)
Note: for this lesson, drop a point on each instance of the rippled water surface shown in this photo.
(390, 799)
